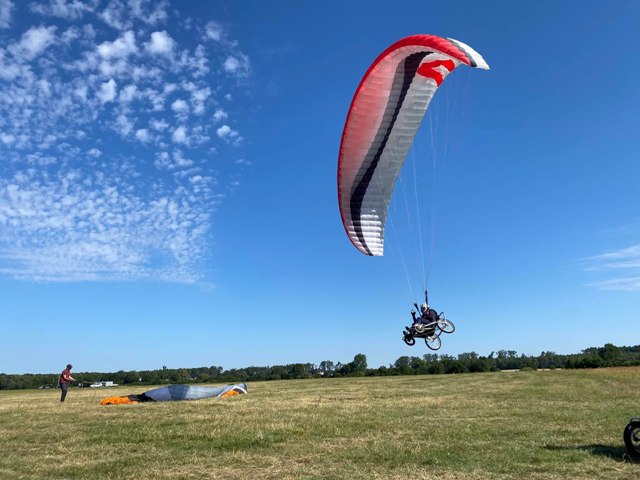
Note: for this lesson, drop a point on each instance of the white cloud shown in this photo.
(151, 12)
(199, 97)
(81, 92)
(197, 62)
(128, 93)
(9, 70)
(226, 133)
(615, 262)
(70, 35)
(623, 258)
(122, 47)
(237, 64)
(67, 9)
(47, 142)
(60, 230)
(158, 125)
(7, 138)
(121, 16)
(214, 31)
(5, 13)
(33, 42)
(123, 125)
(163, 160)
(114, 15)
(624, 284)
(220, 115)
(142, 135)
(85, 116)
(180, 135)
(161, 43)
(180, 160)
(174, 161)
(180, 106)
(107, 91)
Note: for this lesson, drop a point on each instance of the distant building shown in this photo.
(103, 383)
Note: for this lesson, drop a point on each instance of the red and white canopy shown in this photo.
(385, 114)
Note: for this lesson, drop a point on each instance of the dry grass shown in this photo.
(539, 425)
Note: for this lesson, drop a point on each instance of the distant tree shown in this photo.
(430, 357)
(403, 364)
(465, 357)
(300, 370)
(589, 361)
(360, 363)
(327, 366)
(456, 367)
(610, 354)
(418, 365)
(180, 375)
(131, 377)
(435, 368)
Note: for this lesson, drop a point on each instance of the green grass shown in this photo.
(540, 425)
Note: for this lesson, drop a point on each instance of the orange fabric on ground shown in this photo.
(116, 401)
(230, 393)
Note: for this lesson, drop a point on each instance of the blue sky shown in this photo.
(168, 183)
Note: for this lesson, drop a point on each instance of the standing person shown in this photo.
(64, 380)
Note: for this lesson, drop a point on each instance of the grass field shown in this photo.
(506, 425)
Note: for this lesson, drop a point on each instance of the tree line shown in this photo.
(429, 364)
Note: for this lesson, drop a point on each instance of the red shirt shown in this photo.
(65, 376)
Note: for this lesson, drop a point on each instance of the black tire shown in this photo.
(433, 342)
(446, 326)
(632, 439)
(409, 340)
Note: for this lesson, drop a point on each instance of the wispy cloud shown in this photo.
(625, 284)
(102, 127)
(6, 6)
(33, 42)
(122, 15)
(237, 64)
(622, 266)
(60, 230)
(228, 134)
(66, 9)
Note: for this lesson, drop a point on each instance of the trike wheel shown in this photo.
(632, 439)
(446, 326)
(409, 340)
(433, 342)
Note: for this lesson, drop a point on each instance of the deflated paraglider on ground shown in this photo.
(385, 113)
(172, 393)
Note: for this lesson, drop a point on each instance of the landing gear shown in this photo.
(632, 438)
(408, 339)
(433, 342)
(430, 332)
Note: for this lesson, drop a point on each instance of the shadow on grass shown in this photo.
(618, 454)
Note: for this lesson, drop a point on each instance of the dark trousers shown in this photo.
(63, 388)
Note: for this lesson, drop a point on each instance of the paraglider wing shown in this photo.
(385, 114)
(172, 393)
(188, 392)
